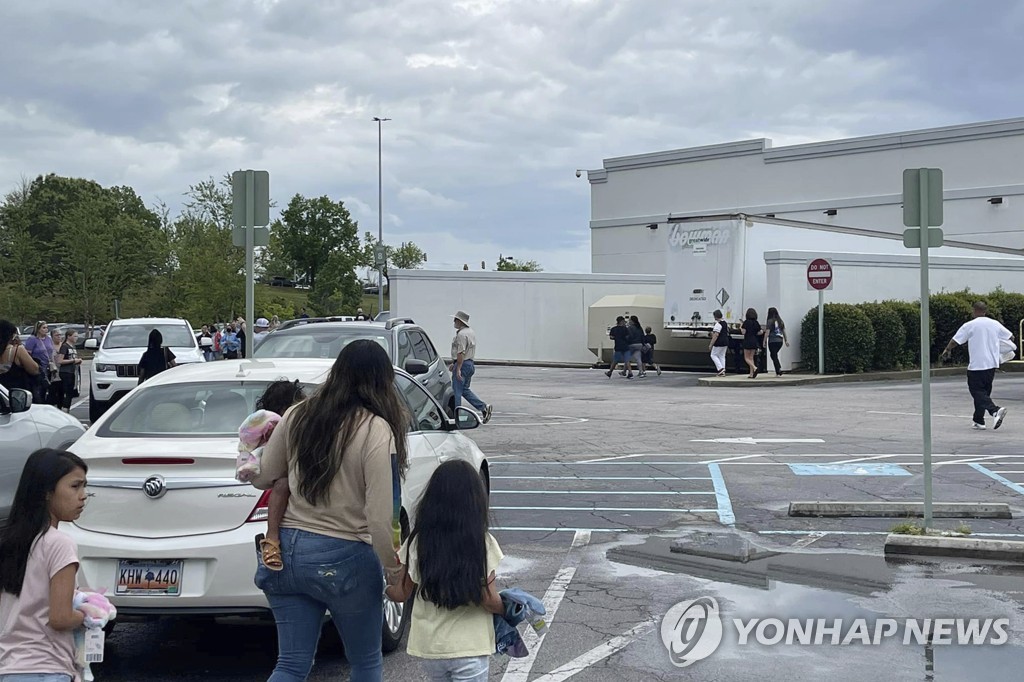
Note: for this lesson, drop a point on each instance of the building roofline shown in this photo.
(853, 145)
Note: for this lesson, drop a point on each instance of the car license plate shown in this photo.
(152, 577)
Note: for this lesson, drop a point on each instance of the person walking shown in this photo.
(40, 347)
(635, 337)
(68, 364)
(156, 359)
(343, 450)
(650, 341)
(619, 336)
(451, 559)
(463, 366)
(55, 387)
(240, 335)
(775, 337)
(719, 343)
(38, 568)
(230, 342)
(17, 368)
(752, 333)
(982, 335)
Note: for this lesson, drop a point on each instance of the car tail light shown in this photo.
(262, 509)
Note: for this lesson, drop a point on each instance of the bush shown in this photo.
(910, 315)
(1011, 308)
(948, 311)
(890, 335)
(849, 339)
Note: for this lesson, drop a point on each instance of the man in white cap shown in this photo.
(262, 329)
(463, 368)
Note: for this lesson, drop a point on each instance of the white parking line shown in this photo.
(550, 529)
(807, 540)
(598, 653)
(605, 478)
(519, 669)
(80, 402)
(611, 509)
(595, 492)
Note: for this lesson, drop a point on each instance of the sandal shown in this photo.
(270, 553)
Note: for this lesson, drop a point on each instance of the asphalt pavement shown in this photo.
(582, 464)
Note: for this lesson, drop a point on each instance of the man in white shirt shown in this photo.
(463, 366)
(982, 336)
(262, 328)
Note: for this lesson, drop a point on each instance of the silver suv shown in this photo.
(406, 343)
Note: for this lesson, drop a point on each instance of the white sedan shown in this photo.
(169, 531)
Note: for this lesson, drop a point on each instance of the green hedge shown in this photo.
(849, 339)
(887, 335)
(890, 335)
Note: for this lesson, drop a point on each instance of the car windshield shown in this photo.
(137, 335)
(193, 410)
(313, 341)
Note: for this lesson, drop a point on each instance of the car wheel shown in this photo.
(396, 616)
(96, 407)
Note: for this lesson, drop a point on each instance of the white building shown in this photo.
(855, 182)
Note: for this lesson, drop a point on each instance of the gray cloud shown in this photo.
(495, 102)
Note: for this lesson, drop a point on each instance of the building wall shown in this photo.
(861, 277)
(860, 177)
(517, 316)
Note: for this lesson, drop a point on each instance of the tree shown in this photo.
(509, 264)
(408, 256)
(315, 230)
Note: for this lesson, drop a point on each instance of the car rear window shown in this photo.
(137, 335)
(313, 341)
(192, 410)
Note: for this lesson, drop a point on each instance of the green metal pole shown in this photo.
(821, 331)
(250, 264)
(926, 394)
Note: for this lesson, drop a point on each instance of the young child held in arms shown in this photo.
(253, 434)
(451, 557)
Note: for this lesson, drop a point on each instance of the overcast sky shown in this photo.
(495, 103)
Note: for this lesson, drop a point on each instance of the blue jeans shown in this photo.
(462, 389)
(36, 677)
(324, 574)
(469, 669)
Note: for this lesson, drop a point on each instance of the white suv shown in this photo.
(115, 368)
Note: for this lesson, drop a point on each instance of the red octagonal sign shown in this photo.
(819, 274)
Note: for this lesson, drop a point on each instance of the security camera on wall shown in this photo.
(579, 173)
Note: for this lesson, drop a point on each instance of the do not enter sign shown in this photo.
(819, 275)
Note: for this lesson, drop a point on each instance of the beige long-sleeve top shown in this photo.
(360, 503)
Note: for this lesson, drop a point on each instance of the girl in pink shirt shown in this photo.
(38, 564)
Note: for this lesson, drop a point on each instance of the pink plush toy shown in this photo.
(253, 434)
(98, 612)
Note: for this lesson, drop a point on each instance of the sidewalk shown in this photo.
(739, 380)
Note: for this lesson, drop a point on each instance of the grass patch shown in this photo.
(907, 528)
(963, 529)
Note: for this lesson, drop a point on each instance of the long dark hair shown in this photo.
(7, 332)
(451, 536)
(361, 384)
(773, 314)
(30, 512)
(636, 320)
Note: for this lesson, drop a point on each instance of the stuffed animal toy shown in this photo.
(253, 434)
(98, 612)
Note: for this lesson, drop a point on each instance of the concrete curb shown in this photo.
(971, 548)
(944, 510)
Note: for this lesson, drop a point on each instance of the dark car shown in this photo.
(279, 281)
(406, 343)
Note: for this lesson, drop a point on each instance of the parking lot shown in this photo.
(582, 464)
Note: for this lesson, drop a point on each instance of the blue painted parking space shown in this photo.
(863, 469)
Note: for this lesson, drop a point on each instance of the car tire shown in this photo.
(397, 616)
(96, 408)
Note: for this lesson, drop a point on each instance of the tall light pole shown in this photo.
(380, 215)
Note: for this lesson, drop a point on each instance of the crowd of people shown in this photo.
(769, 337)
(47, 364)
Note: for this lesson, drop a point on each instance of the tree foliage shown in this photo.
(518, 265)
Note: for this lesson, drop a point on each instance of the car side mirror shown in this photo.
(466, 418)
(21, 400)
(416, 367)
(92, 344)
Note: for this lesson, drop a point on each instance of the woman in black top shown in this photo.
(751, 340)
(156, 358)
(68, 362)
(17, 368)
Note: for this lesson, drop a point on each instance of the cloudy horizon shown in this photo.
(495, 103)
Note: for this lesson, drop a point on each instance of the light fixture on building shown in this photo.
(769, 215)
(995, 201)
(652, 226)
(832, 211)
